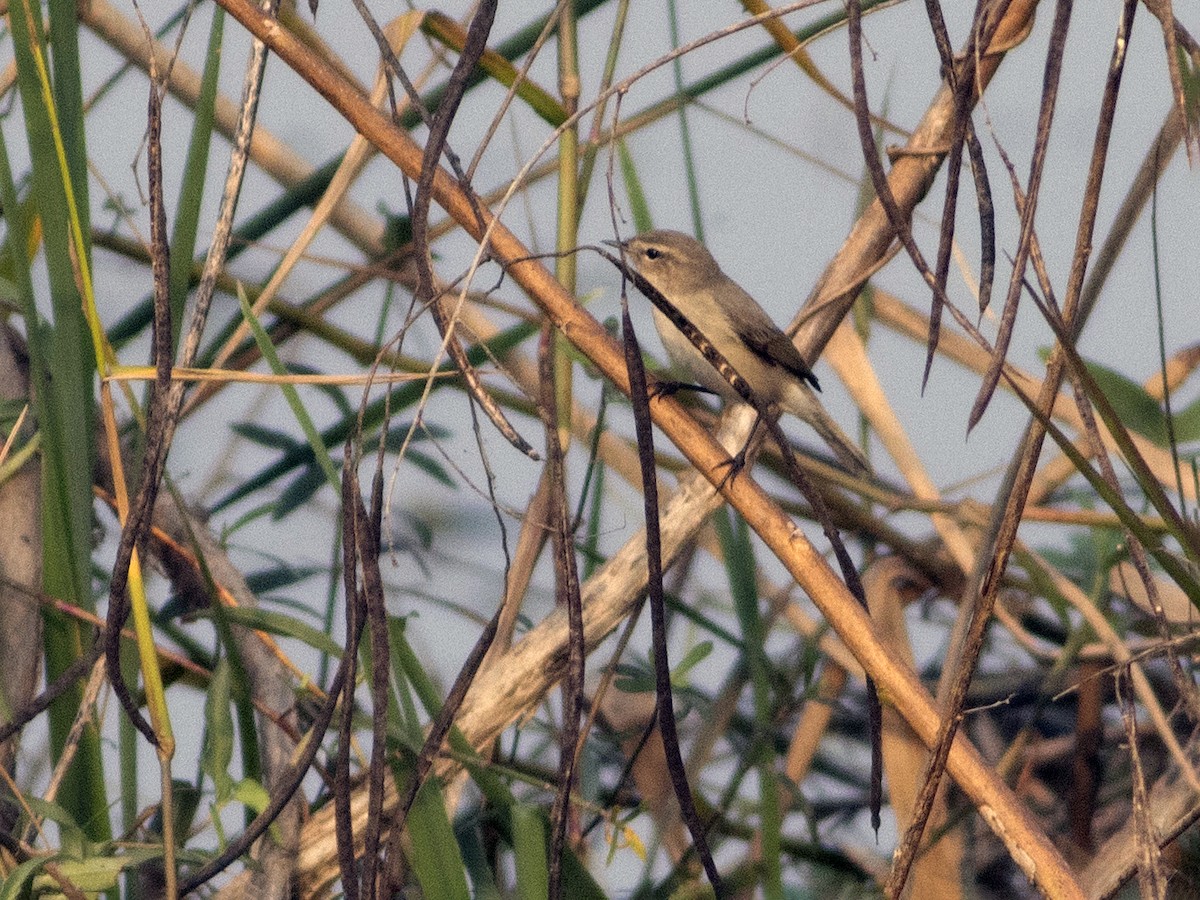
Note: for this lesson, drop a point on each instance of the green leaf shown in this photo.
(72, 841)
(633, 679)
(267, 349)
(435, 855)
(690, 659)
(186, 801)
(430, 467)
(283, 625)
(298, 491)
(91, 876)
(17, 881)
(280, 576)
(402, 397)
(1187, 423)
(476, 859)
(1138, 410)
(191, 190)
(218, 737)
(529, 850)
(272, 438)
(734, 535)
(252, 795)
(65, 403)
(638, 207)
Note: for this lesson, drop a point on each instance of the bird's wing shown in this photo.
(766, 340)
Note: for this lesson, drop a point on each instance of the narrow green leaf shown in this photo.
(692, 658)
(335, 435)
(280, 576)
(65, 404)
(529, 850)
(72, 840)
(639, 209)
(406, 661)
(289, 392)
(298, 492)
(1138, 410)
(738, 552)
(218, 736)
(16, 883)
(1187, 423)
(435, 855)
(263, 436)
(283, 625)
(251, 794)
(195, 171)
(476, 859)
(92, 876)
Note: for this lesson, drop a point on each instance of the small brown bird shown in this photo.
(684, 272)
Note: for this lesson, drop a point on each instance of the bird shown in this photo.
(681, 269)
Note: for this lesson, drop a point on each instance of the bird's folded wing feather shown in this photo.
(773, 346)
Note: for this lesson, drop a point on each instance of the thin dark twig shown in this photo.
(567, 593)
(1150, 874)
(444, 720)
(631, 757)
(392, 64)
(665, 707)
(343, 783)
(953, 169)
(435, 145)
(154, 459)
(520, 79)
(1162, 9)
(214, 262)
(1168, 415)
(1008, 317)
(960, 78)
(439, 130)
(854, 585)
(987, 219)
(594, 471)
(1128, 214)
(25, 714)
(367, 540)
(474, 383)
(1091, 194)
(1084, 387)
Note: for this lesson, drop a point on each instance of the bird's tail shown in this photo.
(802, 403)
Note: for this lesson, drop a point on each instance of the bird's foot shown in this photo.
(671, 388)
(735, 465)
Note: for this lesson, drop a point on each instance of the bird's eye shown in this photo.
(653, 253)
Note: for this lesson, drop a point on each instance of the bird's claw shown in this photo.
(735, 464)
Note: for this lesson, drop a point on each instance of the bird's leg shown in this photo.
(738, 462)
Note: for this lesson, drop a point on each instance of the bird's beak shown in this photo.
(620, 245)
